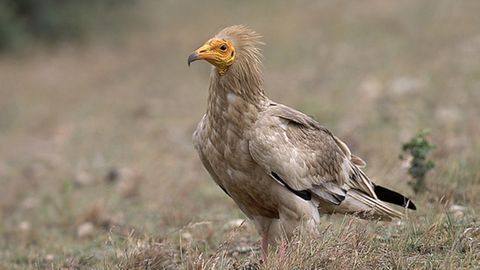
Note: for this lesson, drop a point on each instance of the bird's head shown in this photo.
(227, 47)
(217, 51)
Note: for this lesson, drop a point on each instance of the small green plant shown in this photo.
(418, 148)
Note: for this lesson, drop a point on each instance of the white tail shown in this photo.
(358, 203)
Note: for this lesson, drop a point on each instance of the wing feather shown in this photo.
(305, 154)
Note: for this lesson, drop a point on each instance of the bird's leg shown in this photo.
(264, 247)
(282, 250)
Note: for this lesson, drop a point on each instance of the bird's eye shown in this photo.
(223, 47)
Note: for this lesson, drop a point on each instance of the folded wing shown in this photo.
(305, 157)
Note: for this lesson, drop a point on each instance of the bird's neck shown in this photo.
(235, 99)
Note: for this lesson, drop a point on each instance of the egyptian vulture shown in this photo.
(281, 167)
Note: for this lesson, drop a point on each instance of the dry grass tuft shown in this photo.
(149, 255)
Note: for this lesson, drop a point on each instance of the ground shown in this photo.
(97, 168)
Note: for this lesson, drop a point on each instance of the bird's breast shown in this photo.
(226, 148)
(224, 142)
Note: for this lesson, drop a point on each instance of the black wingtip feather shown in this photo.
(391, 196)
(304, 194)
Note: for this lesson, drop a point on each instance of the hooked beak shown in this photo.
(193, 57)
(199, 54)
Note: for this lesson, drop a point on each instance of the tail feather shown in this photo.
(358, 203)
(361, 197)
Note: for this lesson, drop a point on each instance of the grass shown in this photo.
(98, 171)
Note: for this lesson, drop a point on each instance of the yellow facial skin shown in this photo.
(218, 52)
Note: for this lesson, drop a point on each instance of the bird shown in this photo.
(281, 167)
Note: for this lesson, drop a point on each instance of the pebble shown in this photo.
(24, 226)
(85, 230)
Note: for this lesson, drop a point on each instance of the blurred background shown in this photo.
(97, 108)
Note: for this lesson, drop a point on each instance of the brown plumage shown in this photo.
(280, 166)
